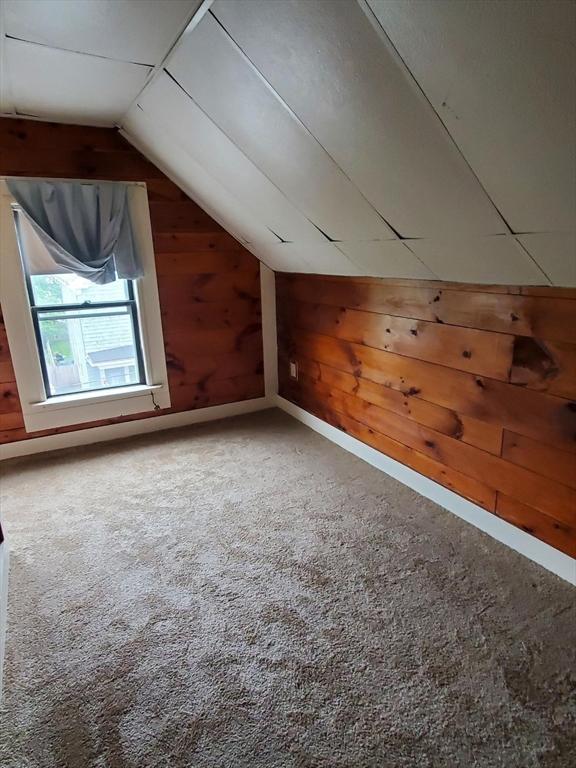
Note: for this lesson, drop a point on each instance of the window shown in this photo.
(87, 334)
(81, 351)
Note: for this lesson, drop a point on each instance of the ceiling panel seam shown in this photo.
(193, 19)
(382, 33)
(545, 232)
(443, 131)
(280, 239)
(216, 180)
(527, 252)
(268, 204)
(231, 140)
(296, 117)
(80, 53)
(418, 257)
(505, 260)
(168, 173)
(373, 19)
(363, 270)
(163, 168)
(330, 239)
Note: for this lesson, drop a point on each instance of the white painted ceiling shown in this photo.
(395, 138)
(84, 61)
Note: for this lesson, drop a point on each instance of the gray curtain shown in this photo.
(85, 228)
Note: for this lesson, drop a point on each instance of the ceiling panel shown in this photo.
(388, 258)
(297, 118)
(70, 87)
(318, 259)
(281, 259)
(499, 259)
(155, 141)
(332, 67)
(555, 252)
(211, 68)
(206, 143)
(501, 75)
(324, 259)
(128, 30)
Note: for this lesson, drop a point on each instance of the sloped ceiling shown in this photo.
(395, 138)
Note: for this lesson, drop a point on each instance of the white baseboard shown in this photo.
(534, 549)
(129, 428)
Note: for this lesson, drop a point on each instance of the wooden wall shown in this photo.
(473, 386)
(209, 284)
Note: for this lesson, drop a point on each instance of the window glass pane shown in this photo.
(88, 349)
(71, 289)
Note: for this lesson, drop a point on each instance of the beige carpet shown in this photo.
(247, 595)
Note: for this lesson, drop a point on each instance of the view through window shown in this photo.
(87, 334)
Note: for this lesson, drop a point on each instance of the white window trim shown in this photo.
(41, 412)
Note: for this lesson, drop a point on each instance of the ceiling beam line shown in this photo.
(190, 25)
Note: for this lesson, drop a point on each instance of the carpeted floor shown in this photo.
(245, 594)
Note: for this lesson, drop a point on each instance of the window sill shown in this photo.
(79, 399)
(70, 410)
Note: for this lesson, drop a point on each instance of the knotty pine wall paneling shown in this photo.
(209, 284)
(472, 386)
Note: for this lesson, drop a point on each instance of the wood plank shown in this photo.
(205, 262)
(466, 349)
(13, 420)
(184, 216)
(564, 383)
(9, 401)
(219, 341)
(546, 318)
(471, 489)
(4, 348)
(78, 164)
(219, 391)
(553, 532)
(24, 135)
(549, 291)
(407, 282)
(208, 316)
(7, 372)
(554, 292)
(533, 414)
(186, 242)
(540, 458)
(556, 500)
(544, 366)
(164, 189)
(488, 437)
(185, 289)
(201, 368)
(12, 435)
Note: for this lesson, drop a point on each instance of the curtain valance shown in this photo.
(85, 228)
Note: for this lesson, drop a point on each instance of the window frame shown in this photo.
(83, 309)
(42, 411)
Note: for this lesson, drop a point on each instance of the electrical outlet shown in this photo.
(293, 369)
